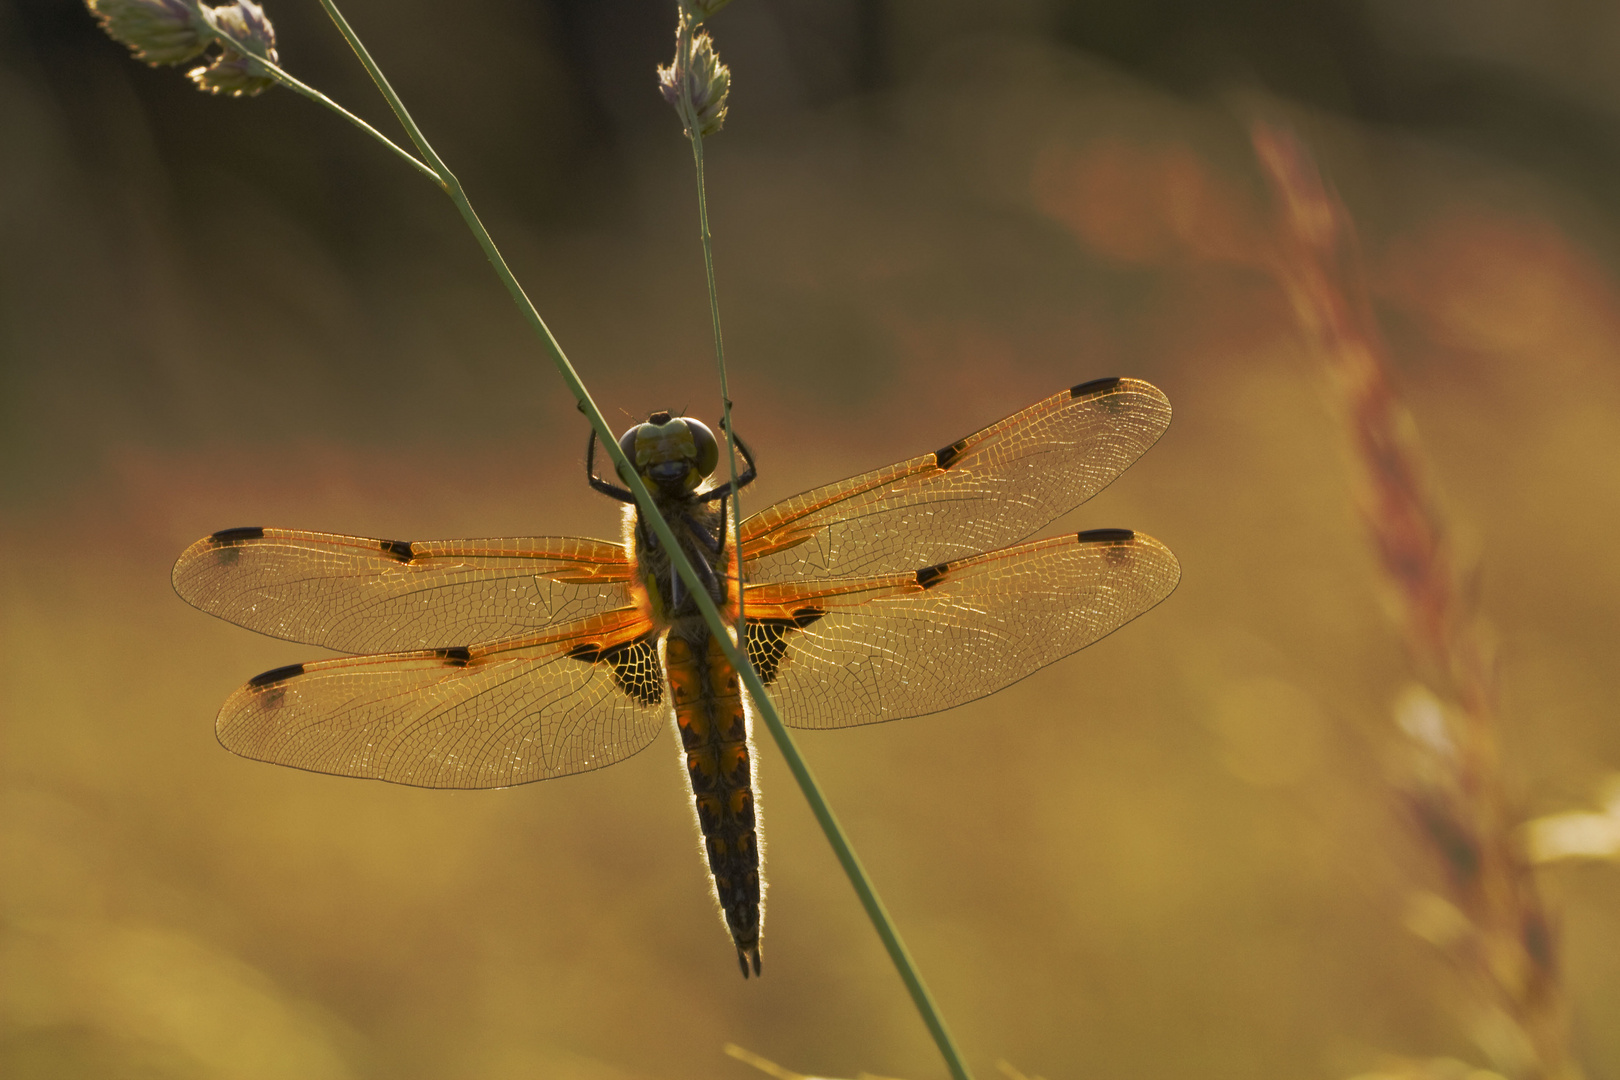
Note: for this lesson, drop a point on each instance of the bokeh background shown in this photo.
(1177, 854)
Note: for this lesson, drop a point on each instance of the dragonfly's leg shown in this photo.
(610, 490)
(712, 541)
(750, 473)
(645, 536)
(748, 476)
(706, 572)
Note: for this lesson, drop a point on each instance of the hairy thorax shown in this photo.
(659, 590)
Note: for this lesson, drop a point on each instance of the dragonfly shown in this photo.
(896, 593)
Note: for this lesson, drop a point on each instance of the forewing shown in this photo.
(361, 595)
(477, 717)
(842, 653)
(978, 494)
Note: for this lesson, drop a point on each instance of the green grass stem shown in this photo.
(841, 846)
(297, 85)
(683, 566)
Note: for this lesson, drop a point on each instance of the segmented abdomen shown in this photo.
(714, 733)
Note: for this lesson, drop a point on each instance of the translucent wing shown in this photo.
(360, 595)
(512, 712)
(841, 653)
(978, 494)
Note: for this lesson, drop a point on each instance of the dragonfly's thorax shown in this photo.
(698, 527)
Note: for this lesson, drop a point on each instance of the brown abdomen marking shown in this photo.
(714, 736)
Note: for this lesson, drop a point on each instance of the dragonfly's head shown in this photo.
(672, 453)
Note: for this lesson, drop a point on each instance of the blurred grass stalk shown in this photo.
(1485, 911)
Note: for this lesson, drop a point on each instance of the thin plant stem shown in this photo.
(452, 187)
(847, 858)
(696, 135)
(683, 566)
(295, 84)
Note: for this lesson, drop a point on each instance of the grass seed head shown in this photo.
(708, 80)
(156, 31)
(234, 73)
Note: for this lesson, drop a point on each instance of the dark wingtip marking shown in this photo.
(275, 675)
(1095, 386)
(947, 457)
(399, 550)
(1106, 536)
(457, 656)
(929, 576)
(237, 536)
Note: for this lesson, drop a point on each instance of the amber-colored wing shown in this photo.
(360, 595)
(841, 653)
(978, 494)
(512, 712)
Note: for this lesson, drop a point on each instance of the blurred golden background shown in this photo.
(1177, 854)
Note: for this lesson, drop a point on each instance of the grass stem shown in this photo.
(683, 566)
(299, 86)
(828, 821)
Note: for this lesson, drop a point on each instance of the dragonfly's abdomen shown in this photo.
(719, 763)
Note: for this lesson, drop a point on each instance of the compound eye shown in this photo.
(627, 443)
(708, 450)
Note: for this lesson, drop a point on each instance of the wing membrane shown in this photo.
(362, 595)
(990, 489)
(851, 652)
(517, 711)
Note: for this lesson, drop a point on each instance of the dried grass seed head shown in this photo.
(233, 73)
(707, 79)
(156, 31)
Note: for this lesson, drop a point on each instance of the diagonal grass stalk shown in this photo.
(433, 165)
(297, 85)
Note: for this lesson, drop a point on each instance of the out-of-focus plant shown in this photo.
(698, 85)
(1482, 907)
(1578, 834)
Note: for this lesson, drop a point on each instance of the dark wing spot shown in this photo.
(237, 536)
(929, 576)
(1106, 536)
(455, 656)
(1095, 386)
(275, 675)
(947, 457)
(399, 550)
(768, 640)
(634, 666)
